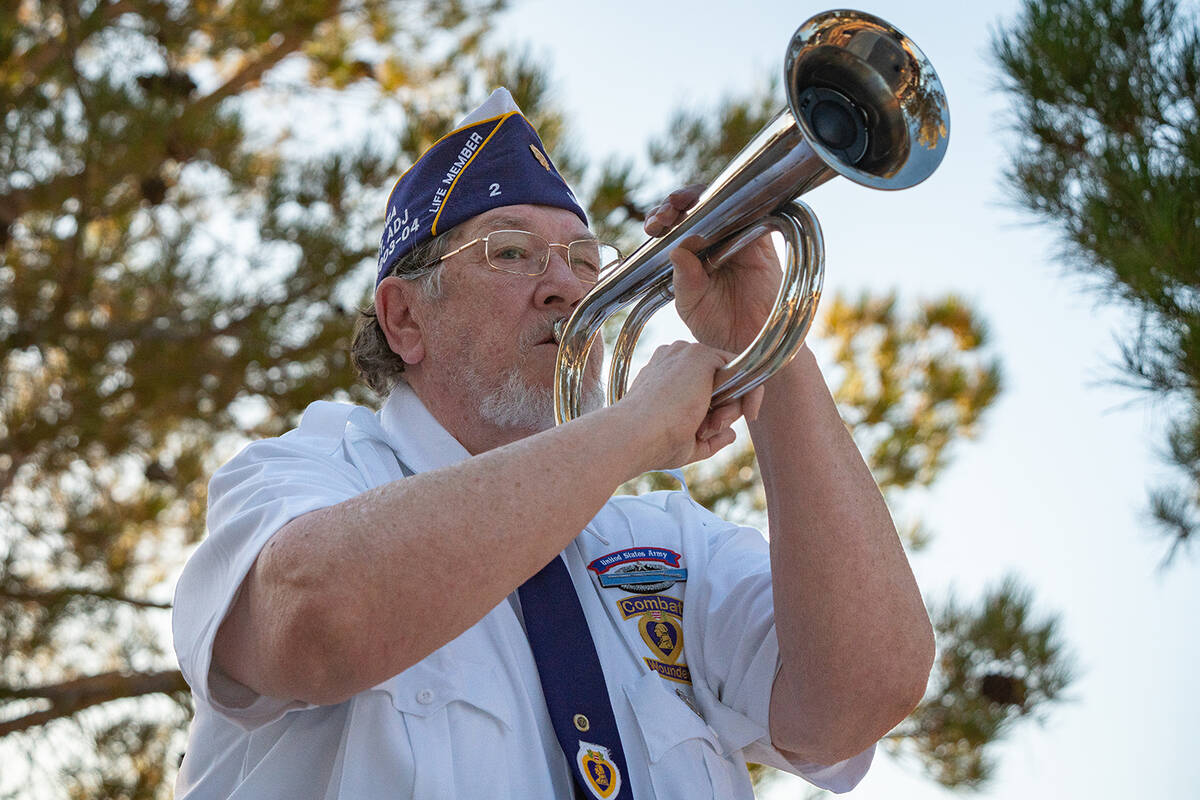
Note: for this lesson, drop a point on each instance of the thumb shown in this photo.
(690, 278)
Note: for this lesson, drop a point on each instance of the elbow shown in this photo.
(899, 685)
(893, 679)
(307, 652)
(925, 651)
(852, 726)
(913, 669)
(853, 710)
(311, 662)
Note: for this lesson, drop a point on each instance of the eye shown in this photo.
(510, 252)
(589, 258)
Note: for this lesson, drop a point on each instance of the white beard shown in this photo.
(517, 404)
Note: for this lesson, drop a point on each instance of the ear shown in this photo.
(394, 309)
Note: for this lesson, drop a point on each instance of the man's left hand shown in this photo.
(725, 307)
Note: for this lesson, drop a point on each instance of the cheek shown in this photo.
(482, 318)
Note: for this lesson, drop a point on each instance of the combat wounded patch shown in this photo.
(660, 623)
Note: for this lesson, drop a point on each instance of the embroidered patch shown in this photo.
(658, 621)
(601, 775)
(663, 634)
(641, 570)
(632, 606)
(672, 672)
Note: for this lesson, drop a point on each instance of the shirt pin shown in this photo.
(581, 722)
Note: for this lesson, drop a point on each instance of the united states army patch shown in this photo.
(641, 570)
(600, 774)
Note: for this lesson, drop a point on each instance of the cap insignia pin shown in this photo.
(540, 157)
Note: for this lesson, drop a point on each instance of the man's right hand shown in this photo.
(669, 401)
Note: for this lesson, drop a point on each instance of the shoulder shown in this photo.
(321, 456)
(325, 433)
(669, 519)
(670, 508)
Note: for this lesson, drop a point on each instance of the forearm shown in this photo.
(343, 598)
(855, 640)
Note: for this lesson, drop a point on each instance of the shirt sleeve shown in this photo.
(268, 484)
(735, 656)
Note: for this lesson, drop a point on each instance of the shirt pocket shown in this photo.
(458, 726)
(685, 759)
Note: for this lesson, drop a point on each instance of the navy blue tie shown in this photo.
(573, 683)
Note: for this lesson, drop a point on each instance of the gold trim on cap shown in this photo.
(478, 150)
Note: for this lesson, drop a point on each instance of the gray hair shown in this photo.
(377, 364)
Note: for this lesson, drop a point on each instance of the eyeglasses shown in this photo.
(525, 253)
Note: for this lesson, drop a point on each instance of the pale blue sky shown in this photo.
(1055, 489)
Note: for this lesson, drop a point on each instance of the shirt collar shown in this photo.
(420, 441)
(417, 437)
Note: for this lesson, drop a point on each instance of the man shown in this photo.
(364, 619)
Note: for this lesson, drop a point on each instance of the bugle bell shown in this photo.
(863, 103)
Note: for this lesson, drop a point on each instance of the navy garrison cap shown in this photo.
(493, 158)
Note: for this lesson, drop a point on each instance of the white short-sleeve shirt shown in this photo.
(689, 664)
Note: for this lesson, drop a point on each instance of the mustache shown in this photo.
(538, 334)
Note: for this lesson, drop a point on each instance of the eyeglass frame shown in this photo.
(545, 264)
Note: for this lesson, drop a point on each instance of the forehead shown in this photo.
(554, 224)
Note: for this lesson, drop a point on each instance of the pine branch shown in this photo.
(70, 697)
(293, 38)
(19, 201)
(60, 595)
(43, 54)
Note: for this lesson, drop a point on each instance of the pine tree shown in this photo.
(1106, 104)
(189, 203)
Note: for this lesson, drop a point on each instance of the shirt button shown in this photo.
(425, 697)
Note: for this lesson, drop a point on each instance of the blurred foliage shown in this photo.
(190, 200)
(996, 665)
(1106, 105)
(910, 384)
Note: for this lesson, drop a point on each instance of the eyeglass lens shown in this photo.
(527, 254)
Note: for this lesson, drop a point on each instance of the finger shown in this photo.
(654, 224)
(661, 219)
(690, 279)
(663, 216)
(685, 197)
(724, 416)
(752, 402)
(715, 444)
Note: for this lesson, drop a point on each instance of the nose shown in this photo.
(559, 285)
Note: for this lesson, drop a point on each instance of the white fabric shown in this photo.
(470, 720)
(499, 102)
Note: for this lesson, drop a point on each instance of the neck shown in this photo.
(482, 419)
